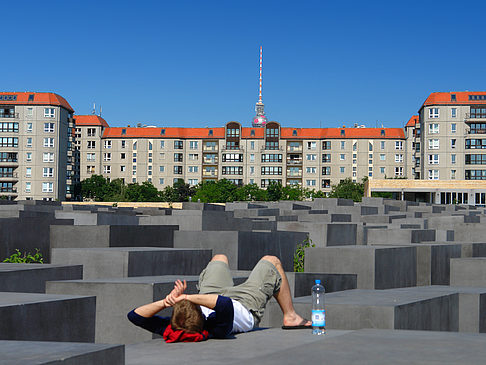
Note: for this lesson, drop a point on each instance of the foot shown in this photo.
(296, 320)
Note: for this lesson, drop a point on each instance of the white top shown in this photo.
(243, 320)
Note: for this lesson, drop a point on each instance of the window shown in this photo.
(28, 187)
(326, 183)
(252, 157)
(370, 146)
(310, 170)
(178, 145)
(252, 170)
(30, 127)
(382, 157)
(107, 169)
(433, 128)
(453, 174)
(193, 182)
(398, 171)
(233, 157)
(193, 145)
(107, 144)
(48, 172)
(161, 181)
(47, 187)
(433, 113)
(453, 128)
(311, 145)
(272, 132)
(382, 170)
(382, 145)
(91, 144)
(399, 145)
(49, 127)
(48, 157)
(355, 146)
(162, 144)
(134, 146)
(134, 169)
(326, 157)
(453, 143)
(310, 182)
(341, 170)
(193, 169)
(90, 169)
(28, 157)
(271, 145)
(476, 159)
(49, 112)
(30, 112)
(178, 170)
(91, 132)
(28, 172)
(433, 144)
(343, 145)
(178, 157)
(433, 174)
(123, 168)
(271, 157)
(9, 127)
(49, 142)
(342, 157)
(311, 157)
(162, 156)
(398, 158)
(233, 170)
(475, 174)
(106, 156)
(453, 112)
(326, 170)
(453, 159)
(161, 168)
(270, 170)
(193, 157)
(233, 132)
(326, 145)
(252, 145)
(433, 159)
(29, 142)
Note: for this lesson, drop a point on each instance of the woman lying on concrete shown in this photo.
(220, 308)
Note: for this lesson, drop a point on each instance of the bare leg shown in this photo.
(220, 257)
(284, 298)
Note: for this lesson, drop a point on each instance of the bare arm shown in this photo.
(149, 310)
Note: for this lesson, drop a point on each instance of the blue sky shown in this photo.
(195, 63)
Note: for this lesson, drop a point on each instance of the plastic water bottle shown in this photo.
(318, 311)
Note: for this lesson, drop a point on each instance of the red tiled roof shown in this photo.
(462, 97)
(90, 120)
(147, 132)
(246, 133)
(39, 99)
(413, 120)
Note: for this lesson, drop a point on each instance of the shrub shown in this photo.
(26, 258)
(299, 254)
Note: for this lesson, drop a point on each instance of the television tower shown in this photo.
(260, 119)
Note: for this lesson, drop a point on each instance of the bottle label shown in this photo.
(319, 318)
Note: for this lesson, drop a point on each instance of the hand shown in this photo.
(179, 288)
(170, 299)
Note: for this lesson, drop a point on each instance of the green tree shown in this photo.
(274, 191)
(220, 191)
(250, 192)
(348, 189)
(94, 187)
(292, 192)
(183, 191)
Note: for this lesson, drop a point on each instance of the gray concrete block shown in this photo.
(45, 317)
(468, 272)
(119, 262)
(65, 353)
(377, 267)
(31, 278)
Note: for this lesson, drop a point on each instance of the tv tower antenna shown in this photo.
(260, 119)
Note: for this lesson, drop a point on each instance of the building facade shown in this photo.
(36, 150)
(42, 155)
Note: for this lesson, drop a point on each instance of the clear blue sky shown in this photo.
(195, 63)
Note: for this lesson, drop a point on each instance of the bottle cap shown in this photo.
(318, 281)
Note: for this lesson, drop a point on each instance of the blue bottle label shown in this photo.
(319, 318)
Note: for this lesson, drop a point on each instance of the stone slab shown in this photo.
(47, 317)
(275, 346)
(31, 278)
(115, 262)
(63, 353)
(468, 272)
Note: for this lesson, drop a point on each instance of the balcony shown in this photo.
(210, 161)
(294, 173)
(294, 148)
(210, 174)
(9, 116)
(232, 149)
(476, 116)
(294, 161)
(210, 148)
(9, 176)
(8, 191)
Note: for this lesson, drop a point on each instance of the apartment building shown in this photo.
(453, 134)
(36, 151)
(310, 157)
